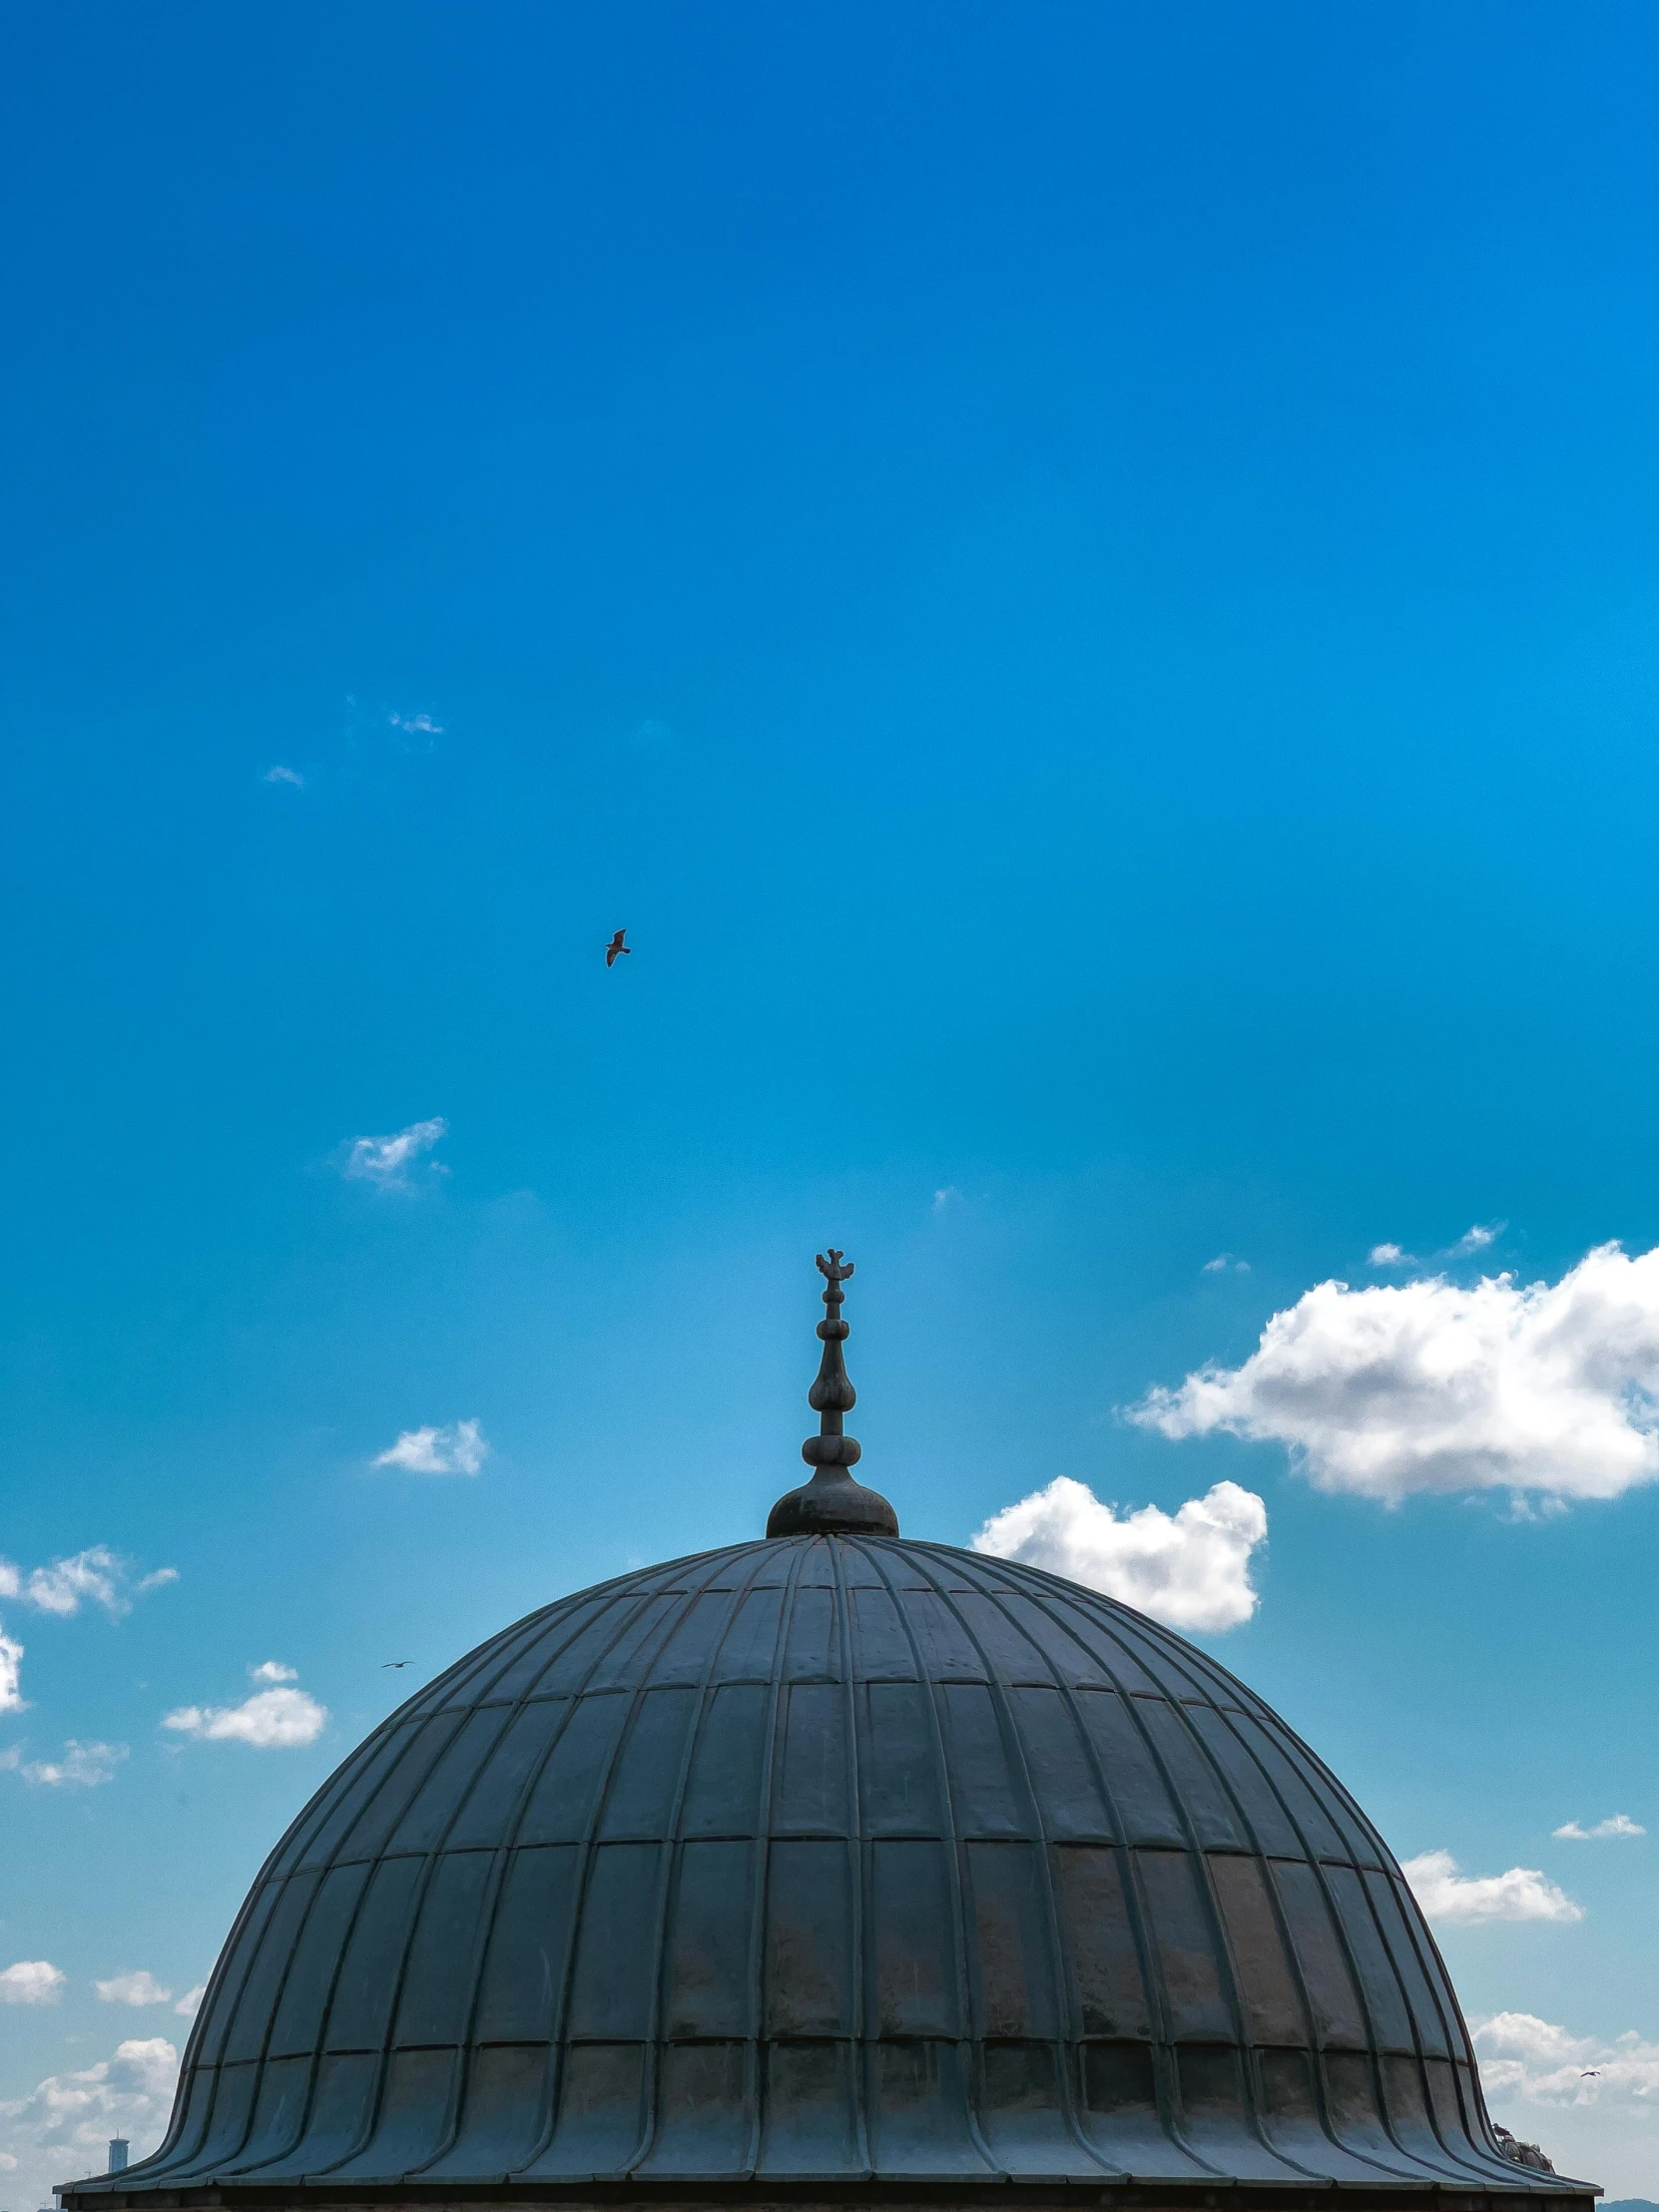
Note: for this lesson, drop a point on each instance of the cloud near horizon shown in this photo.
(60, 2131)
(461, 1448)
(269, 1720)
(1455, 1900)
(1601, 2093)
(1190, 1568)
(1434, 1385)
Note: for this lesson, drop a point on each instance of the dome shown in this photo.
(832, 1867)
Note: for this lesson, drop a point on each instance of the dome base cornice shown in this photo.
(849, 2196)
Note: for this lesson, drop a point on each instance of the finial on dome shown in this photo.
(832, 1501)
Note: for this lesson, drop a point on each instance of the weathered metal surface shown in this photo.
(831, 1870)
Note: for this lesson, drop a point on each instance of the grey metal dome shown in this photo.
(830, 1863)
(827, 1870)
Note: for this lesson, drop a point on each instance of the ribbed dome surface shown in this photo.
(835, 1861)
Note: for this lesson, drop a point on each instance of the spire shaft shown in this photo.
(831, 1503)
(833, 1396)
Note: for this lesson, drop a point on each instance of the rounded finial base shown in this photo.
(832, 1504)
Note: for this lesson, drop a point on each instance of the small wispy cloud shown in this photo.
(1617, 1824)
(269, 1720)
(96, 1576)
(32, 1982)
(386, 1161)
(191, 2003)
(133, 1989)
(272, 1670)
(281, 774)
(949, 1195)
(1477, 1238)
(82, 1767)
(461, 1448)
(12, 1699)
(417, 726)
(1455, 1900)
(1225, 1264)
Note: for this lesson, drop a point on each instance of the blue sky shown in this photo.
(1083, 581)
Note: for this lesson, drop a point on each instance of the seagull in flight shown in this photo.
(615, 947)
(1589, 2073)
(384, 1663)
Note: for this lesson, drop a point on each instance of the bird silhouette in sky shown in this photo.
(384, 1663)
(1589, 2073)
(615, 947)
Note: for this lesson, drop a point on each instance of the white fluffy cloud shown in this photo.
(1549, 1389)
(460, 1448)
(272, 1670)
(60, 2131)
(1190, 1568)
(1616, 1824)
(270, 1720)
(141, 1988)
(82, 1767)
(1594, 2100)
(191, 2003)
(1454, 1900)
(32, 1982)
(386, 1161)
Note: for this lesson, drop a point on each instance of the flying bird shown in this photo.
(615, 947)
(384, 1663)
(1589, 2073)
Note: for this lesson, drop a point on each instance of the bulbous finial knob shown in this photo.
(832, 1501)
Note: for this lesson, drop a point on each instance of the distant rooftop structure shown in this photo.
(833, 1870)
